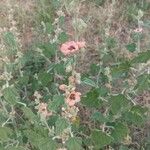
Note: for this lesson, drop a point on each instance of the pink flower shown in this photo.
(81, 44)
(138, 30)
(63, 87)
(73, 98)
(69, 48)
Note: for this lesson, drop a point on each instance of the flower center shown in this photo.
(43, 109)
(72, 97)
(71, 48)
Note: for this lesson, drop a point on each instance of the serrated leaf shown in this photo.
(119, 103)
(139, 109)
(61, 124)
(120, 132)
(98, 117)
(134, 118)
(52, 120)
(60, 69)
(120, 70)
(143, 82)
(5, 133)
(89, 82)
(54, 105)
(45, 78)
(63, 37)
(46, 144)
(131, 47)
(48, 49)
(141, 58)
(74, 143)
(100, 139)
(11, 95)
(29, 114)
(103, 91)
(92, 99)
(10, 41)
(39, 141)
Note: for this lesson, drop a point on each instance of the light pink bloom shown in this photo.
(69, 48)
(81, 44)
(71, 103)
(63, 87)
(73, 98)
(138, 30)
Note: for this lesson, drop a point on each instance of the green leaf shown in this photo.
(11, 95)
(60, 69)
(49, 49)
(63, 37)
(74, 143)
(94, 68)
(123, 148)
(103, 91)
(92, 99)
(52, 120)
(120, 70)
(62, 21)
(143, 82)
(47, 143)
(55, 3)
(89, 82)
(141, 58)
(98, 117)
(100, 139)
(24, 80)
(54, 105)
(111, 42)
(139, 109)
(10, 41)
(119, 103)
(134, 118)
(108, 57)
(39, 141)
(120, 132)
(5, 133)
(29, 114)
(49, 27)
(131, 47)
(45, 78)
(99, 2)
(61, 124)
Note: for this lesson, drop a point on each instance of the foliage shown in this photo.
(36, 111)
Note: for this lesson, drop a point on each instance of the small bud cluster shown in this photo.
(72, 97)
(42, 107)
